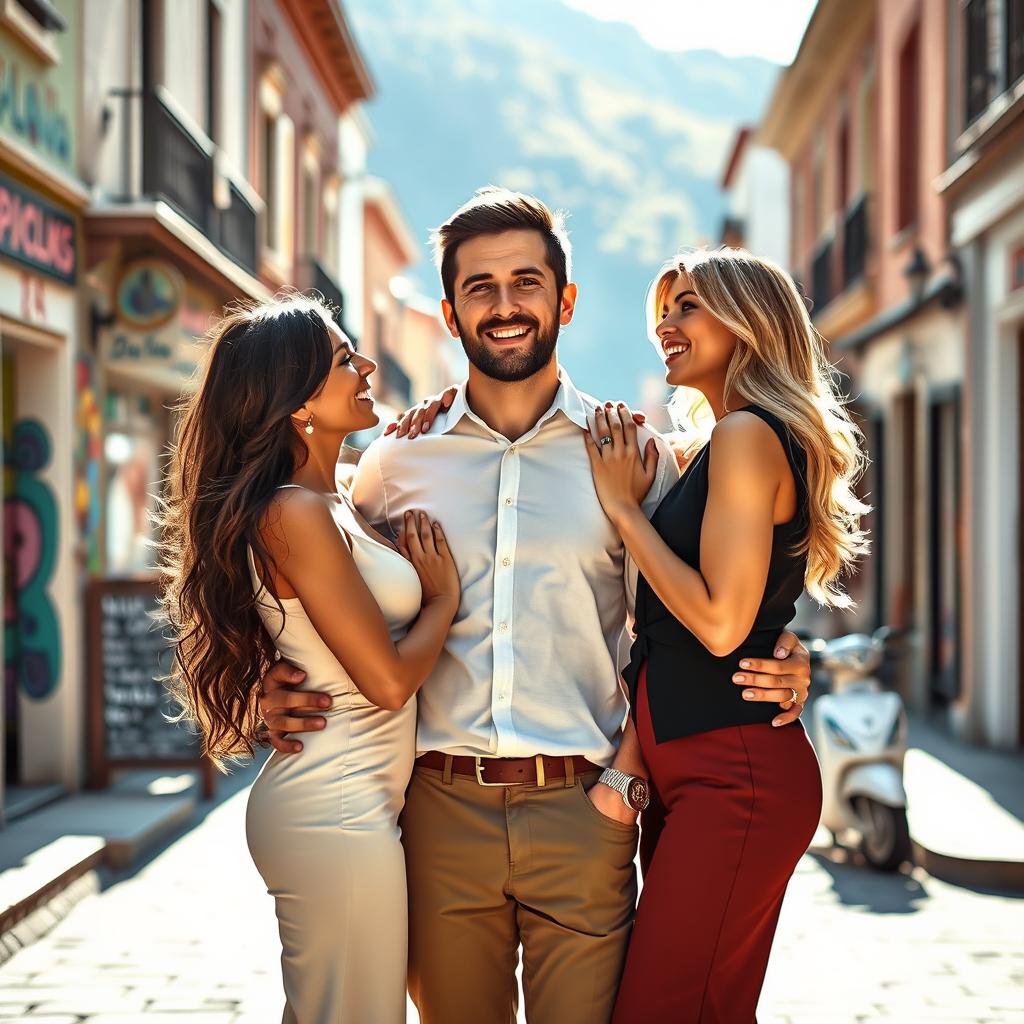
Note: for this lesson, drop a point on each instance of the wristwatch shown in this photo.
(636, 793)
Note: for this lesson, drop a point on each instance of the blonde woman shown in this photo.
(764, 509)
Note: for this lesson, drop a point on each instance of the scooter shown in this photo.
(859, 732)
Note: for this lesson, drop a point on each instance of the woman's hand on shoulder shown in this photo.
(420, 418)
(623, 474)
(422, 542)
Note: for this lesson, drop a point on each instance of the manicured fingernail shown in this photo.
(413, 432)
(325, 702)
(296, 747)
(748, 694)
(298, 675)
(739, 678)
(320, 723)
(780, 652)
(776, 724)
(744, 664)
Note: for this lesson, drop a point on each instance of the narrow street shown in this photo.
(191, 937)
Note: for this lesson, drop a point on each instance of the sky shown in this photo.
(765, 28)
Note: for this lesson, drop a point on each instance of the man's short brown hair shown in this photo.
(491, 211)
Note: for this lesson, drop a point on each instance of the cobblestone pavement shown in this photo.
(191, 939)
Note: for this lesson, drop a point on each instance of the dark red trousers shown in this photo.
(741, 805)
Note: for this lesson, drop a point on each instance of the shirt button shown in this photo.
(501, 698)
(506, 562)
(511, 448)
(503, 627)
(508, 501)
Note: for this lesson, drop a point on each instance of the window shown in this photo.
(310, 211)
(820, 201)
(271, 186)
(843, 165)
(866, 126)
(214, 72)
(909, 142)
(332, 219)
(277, 178)
(1014, 15)
(136, 431)
(978, 75)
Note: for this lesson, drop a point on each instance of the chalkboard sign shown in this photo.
(128, 658)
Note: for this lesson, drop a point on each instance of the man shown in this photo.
(509, 836)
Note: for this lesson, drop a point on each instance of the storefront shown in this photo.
(42, 200)
(147, 348)
(39, 331)
(910, 377)
(988, 226)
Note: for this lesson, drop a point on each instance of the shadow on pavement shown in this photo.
(857, 885)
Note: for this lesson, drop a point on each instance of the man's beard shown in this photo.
(516, 362)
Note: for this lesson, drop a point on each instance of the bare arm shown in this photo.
(738, 526)
(311, 554)
(719, 603)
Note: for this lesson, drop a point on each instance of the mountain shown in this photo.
(537, 96)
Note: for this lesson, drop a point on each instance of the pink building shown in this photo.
(861, 117)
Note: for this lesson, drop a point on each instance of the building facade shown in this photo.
(755, 182)
(860, 116)
(983, 187)
(42, 200)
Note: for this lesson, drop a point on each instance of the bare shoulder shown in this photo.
(298, 519)
(748, 445)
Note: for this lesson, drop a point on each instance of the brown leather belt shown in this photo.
(509, 771)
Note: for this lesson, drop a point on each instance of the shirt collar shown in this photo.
(567, 400)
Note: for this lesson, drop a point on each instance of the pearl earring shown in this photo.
(309, 425)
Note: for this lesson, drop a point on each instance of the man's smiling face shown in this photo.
(507, 309)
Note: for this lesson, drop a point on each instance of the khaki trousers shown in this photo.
(490, 868)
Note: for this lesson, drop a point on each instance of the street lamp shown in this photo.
(916, 272)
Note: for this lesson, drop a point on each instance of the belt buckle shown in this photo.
(483, 782)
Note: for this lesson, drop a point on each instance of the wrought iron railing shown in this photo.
(855, 241)
(178, 167)
(822, 276)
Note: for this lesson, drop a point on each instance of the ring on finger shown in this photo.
(607, 439)
(795, 701)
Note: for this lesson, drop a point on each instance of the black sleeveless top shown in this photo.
(689, 689)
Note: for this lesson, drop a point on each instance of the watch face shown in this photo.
(639, 795)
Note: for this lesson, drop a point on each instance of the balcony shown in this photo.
(855, 241)
(178, 167)
(822, 289)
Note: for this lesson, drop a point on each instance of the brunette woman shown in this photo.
(765, 508)
(264, 556)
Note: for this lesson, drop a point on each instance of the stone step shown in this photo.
(21, 800)
(45, 854)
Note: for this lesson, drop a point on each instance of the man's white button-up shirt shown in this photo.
(531, 664)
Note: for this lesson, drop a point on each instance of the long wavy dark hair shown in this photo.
(235, 446)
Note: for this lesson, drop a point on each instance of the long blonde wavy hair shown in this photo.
(781, 364)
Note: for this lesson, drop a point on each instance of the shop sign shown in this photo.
(159, 321)
(149, 294)
(31, 107)
(36, 233)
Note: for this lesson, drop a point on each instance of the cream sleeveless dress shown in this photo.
(322, 825)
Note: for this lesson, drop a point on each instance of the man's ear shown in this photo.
(568, 306)
(448, 310)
